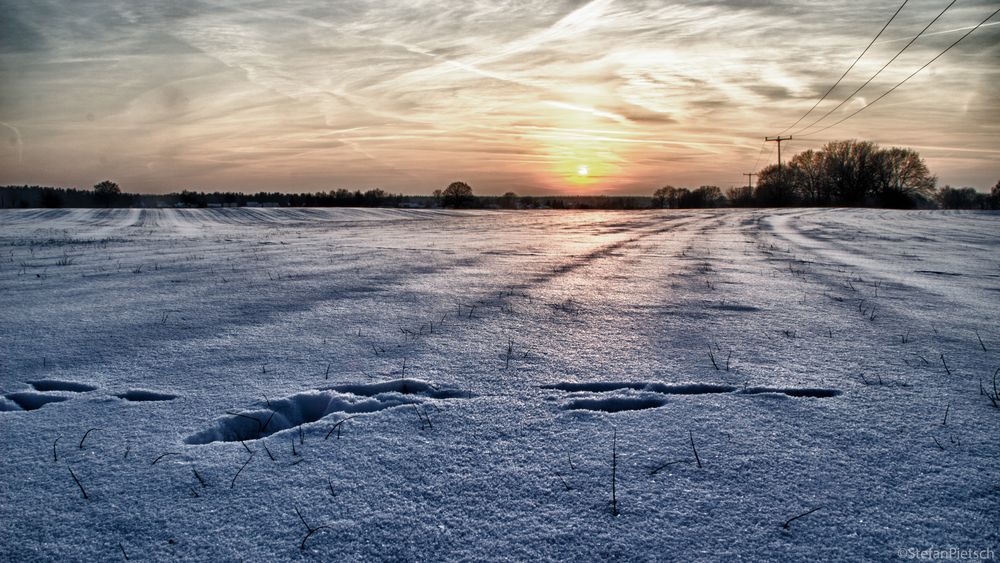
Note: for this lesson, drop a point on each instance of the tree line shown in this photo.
(842, 173)
(109, 194)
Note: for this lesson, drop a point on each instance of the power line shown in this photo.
(759, 153)
(867, 82)
(818, 102)
(914, 73)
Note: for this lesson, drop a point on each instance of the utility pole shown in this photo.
(749, 176)
(778, 140)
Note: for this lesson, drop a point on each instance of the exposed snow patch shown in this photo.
(311, 406)
(145, 395)
(792, 392)
(32, 401)
(403, 387)
(678, 389)
(616, 404)
(57, 385)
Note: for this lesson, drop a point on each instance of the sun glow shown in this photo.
(582, 149)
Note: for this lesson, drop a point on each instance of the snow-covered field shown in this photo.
(419, 385)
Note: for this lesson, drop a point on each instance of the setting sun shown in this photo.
(582, 170)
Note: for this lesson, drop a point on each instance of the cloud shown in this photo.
(245, 95)
(14, 140)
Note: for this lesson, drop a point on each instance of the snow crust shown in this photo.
(356, 385)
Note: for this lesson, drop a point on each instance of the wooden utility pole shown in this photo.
(749, 176)
(778, 140)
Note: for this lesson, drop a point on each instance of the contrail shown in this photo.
(942, 32)
(590, 110)
(575, 23)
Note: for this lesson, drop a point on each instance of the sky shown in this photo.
(556, 97)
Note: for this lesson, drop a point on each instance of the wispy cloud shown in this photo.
(409, 96)
(15, 141)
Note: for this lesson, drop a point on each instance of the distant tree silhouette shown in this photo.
(669, 196)
(705, 196)
(457, 194)
(903, 178)
(51, 198)
(740, 196)
(961, 198)
(774, 188)
(807, 173)
(848, 173)
(106, 192)
(994, 199)
(508, 200)
(854, 168)
(660, 197)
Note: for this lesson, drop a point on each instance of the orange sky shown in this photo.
(603, 96)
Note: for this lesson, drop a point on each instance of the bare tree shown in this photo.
(106, 192)
(457, 194)
(902, 176)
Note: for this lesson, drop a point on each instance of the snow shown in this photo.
(436, 385)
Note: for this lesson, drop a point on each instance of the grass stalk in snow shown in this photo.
(866, 382)
(200, 479)
(694, 449)
(232, 484)
(79, 484)
(794, 518)
(268, 451)
(425, 419)
(260, 427)
(263, 427)
(55, 456)
(85, 434)
(310, 529)
(660, 467)
(564, 483)
(163, 455)
(337, 427)
(994, 397)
